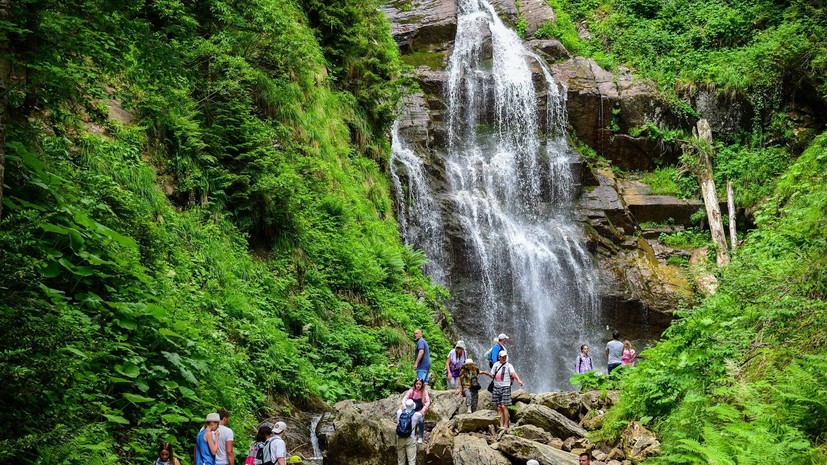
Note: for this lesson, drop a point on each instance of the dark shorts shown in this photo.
(612, 366)
(501, 395)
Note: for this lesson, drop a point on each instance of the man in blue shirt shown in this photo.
(422, 361)
(495, 351)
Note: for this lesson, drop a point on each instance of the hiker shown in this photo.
(418, 394)
(585, 459)
(165, 455)
(422, 360)
(502, 374)
(225, 454)
(628, 357)
(454, 363)
(407, 420)
(275, 448)
(614, 351)
(500, 345)
(583, 364)
(295, 460)
(488, 352)
(263, 434)
(469, 384)
(206, 444)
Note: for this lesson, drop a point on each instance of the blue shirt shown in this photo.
(425, 363)
(203, 456)
(495, 352)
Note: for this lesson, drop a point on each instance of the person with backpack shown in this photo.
(418, 393)
(263, 434)
(502, 374)
(206, 443)
(495, 351)
(454, 363)
(469, 384)
(487, 354)
(407, 419)
(274, 450)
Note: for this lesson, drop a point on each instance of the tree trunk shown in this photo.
(5, 73)
(713, 209)
(730, 203)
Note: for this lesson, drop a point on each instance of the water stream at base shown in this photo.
(521, 267)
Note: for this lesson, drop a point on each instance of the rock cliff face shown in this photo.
(550, 427)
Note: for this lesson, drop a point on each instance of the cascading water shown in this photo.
(518, 263)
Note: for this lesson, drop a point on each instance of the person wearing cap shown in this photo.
(422, 357)
(495, 351)
(502, 374)
(276, 445)
(406, 447)
(295, 459)
(206, 443)
(468, 377)
(454, 362)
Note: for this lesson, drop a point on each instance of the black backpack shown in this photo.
(405, 426)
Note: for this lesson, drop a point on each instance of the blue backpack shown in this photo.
(405, 426)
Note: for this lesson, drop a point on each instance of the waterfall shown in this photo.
(522, 267)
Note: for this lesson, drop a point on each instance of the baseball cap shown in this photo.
(212, 417)
(502, 336)
(279, 427)
(502, 353)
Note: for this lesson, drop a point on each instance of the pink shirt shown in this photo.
(628, 357)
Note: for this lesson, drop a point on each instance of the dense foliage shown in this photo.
(742, 378)
(196, 216)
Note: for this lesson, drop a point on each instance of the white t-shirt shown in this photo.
(615, 349)
(502, 377)
(415, 419)
(224, 434)
(278, 448)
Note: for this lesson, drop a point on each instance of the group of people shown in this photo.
(214, 445)
(462, 375)
(618, 354)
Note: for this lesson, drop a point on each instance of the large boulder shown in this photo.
(567, 403)
(551, 421)
(639, 443)
(422, 24)
(358, 438)
(440, 445)
(530, 432)
(523, 450)
(477, 421)
(444, 404)
(474, 450)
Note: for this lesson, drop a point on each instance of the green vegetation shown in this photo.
(741, 379)
(689, 239)
(671, 180)
(227, 241)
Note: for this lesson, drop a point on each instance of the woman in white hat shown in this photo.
(453, 364)
(469, 384)
(206, 444)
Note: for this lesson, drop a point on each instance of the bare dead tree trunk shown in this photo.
(5, 74)
(703, 170)
(730, 203)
